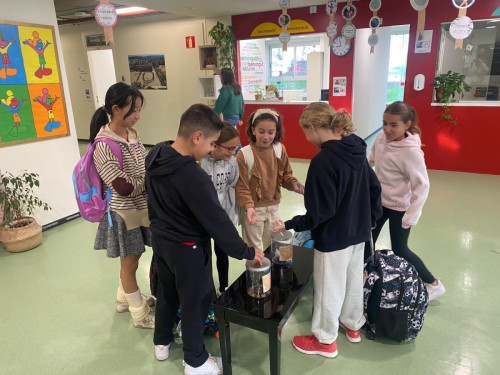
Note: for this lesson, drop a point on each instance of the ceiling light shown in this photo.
(128, 10)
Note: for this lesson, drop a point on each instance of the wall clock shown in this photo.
(339, 46)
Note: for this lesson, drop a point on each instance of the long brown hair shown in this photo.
(259, 116)
(227, 78)
(407, 113)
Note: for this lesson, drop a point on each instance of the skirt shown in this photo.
(118, 241)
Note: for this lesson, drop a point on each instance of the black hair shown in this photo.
(119, 94)
(227, 78)
(199, 117)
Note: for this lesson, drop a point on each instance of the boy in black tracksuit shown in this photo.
(185, 213)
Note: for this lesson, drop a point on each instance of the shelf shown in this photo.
(209, 86)
(208, 59)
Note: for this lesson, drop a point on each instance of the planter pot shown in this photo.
(16, 240)
(439, 92)
(258, 96)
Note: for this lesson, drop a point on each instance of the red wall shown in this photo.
(469, 146)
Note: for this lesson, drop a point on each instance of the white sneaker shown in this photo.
(162, 352)
(147, 322)
(212, 366)
(123, 306)
(435, 291)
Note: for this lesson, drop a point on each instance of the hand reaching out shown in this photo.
(259, 255)
(278, 226)
(298, 187)
(252, 216)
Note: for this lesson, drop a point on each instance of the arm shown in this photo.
(243, 193)
(108, 167)
(289, 182)
(200, 196)
(221, 102)
(416, 171)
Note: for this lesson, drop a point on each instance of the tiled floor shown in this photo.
(57, 301)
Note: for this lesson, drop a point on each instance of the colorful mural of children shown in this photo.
(4, 46)
(37, 45)
(47, 102)
(13, 105)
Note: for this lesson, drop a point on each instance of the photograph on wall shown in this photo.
(423, 43)
(147, 72)
(32, 103)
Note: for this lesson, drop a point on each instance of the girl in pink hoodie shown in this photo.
(400, 167)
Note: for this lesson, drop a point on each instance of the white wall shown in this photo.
(163, 108)
(370, 81)
(53, 159)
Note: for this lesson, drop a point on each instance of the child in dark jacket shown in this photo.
(342, 198)
(185, 213)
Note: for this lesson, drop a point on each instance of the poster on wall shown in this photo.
(32, 105)
(147, 72)
(252, 67)
(339, 86)
(423, 43)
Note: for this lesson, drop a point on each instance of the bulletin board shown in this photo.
(32, 105)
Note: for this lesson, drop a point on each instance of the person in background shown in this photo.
(264, 168)
(222, 168)
(230, 100)
(342, 199)
(185, 214)
(128, 205)
(400, 166)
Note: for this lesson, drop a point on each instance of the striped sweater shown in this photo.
(132, 208)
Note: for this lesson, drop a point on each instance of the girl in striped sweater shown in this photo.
(126, 234)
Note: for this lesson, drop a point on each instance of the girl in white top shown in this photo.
(400, 166)
(222, 168)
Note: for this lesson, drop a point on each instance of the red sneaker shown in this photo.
(311, 345)
(352, 336)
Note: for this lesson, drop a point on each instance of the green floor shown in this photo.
(57, 302)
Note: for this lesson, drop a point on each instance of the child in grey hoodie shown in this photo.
(222, 168)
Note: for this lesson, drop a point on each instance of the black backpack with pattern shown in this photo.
(395, 298)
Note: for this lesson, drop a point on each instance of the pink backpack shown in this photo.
(88, 184)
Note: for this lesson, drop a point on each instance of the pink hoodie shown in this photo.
(400, 168)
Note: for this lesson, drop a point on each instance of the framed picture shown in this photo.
(32, 105)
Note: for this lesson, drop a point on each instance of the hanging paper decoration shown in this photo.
(419, 6)
(284, 20)
(105, 15)
(349, 11)
(375, 23)
(331, 30)
(462, 26)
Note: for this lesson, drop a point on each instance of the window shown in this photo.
(264, 64)
(396, 75)
(478, 60)
(288, 69)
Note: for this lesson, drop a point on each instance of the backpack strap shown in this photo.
(117, 152)
(115, 149)
(249, 158)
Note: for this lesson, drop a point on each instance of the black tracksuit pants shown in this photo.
(399, 241)
(222, 267)
(185, 280)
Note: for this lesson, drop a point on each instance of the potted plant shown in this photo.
(258, 92)
(224, 40)
(447, 86)
(18, 231)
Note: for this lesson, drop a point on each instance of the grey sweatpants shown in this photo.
(338, 292)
